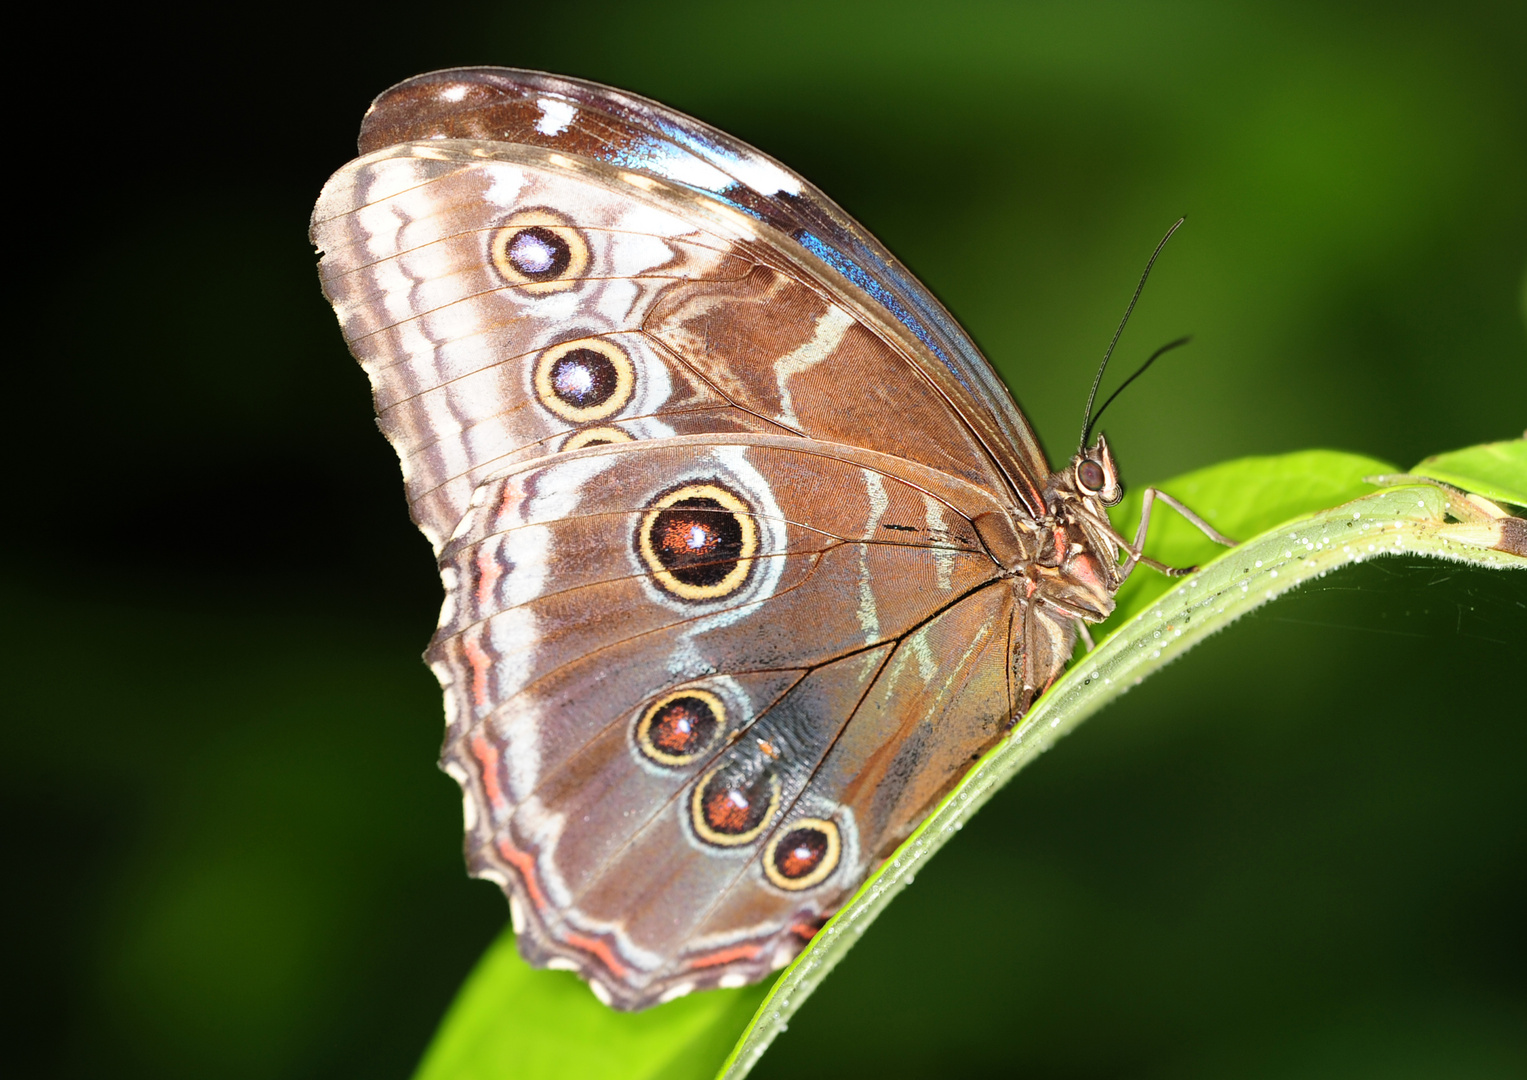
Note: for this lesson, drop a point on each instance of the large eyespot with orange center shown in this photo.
(540, 251)
(594, 436)
(732, 806)
(802, 854)
(681, 727)
(585, 380)
(699, 541)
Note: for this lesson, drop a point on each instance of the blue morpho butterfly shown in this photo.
(748, 553)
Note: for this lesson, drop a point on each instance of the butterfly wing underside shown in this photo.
(719, 622)
(598, 123)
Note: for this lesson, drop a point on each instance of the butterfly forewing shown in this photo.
(633, 133)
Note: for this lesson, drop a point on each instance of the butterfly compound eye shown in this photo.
(1090, 475)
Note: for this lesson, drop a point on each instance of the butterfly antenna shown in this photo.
(1087, 419)
(1168, 347)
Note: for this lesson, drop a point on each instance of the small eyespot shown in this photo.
(584, 380)
(1089, 474)
(540, 251)
(678, 728)
(730, 808)
(594, 436)
(699, 541)
(803, 854)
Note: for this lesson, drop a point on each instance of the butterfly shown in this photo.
(748, 553)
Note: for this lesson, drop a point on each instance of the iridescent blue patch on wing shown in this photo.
(638, 155)
(839, 261)
(662, 158)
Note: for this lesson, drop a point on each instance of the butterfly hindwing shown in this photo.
(598, 672)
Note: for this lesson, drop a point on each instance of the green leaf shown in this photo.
(1494, 470)
(512, 1020)
(1406, 519)
(1241, 498)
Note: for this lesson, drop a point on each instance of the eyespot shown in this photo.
(699, 541)
(730, 808)
(584, 380)
(1089, 474)
(803, 854)
(678, 728)
(540, 251)
(594, 436)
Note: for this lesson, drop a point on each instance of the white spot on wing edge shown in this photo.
(678, 164)
(673, 993)
(763, 175)
(449, 578)
(468, 805)
(447, 680)
(555, 115)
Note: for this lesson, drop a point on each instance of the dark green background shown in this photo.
(1300, 852)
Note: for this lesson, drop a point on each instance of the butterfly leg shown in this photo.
(1135, 550)
(1085, 634)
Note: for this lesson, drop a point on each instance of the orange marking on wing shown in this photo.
(600, 949)
(488, 573)
(514, 493)
(804, 931)
(480, 664)
(726, 956)
(487, 757)
(527, 868)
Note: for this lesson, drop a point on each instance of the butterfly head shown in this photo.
(1094, 475)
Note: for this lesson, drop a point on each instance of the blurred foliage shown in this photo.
(231, 852)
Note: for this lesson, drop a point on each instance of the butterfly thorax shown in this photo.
(1064, 559)
(1076, 566)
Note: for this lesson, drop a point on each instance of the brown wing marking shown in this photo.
(772, 344)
